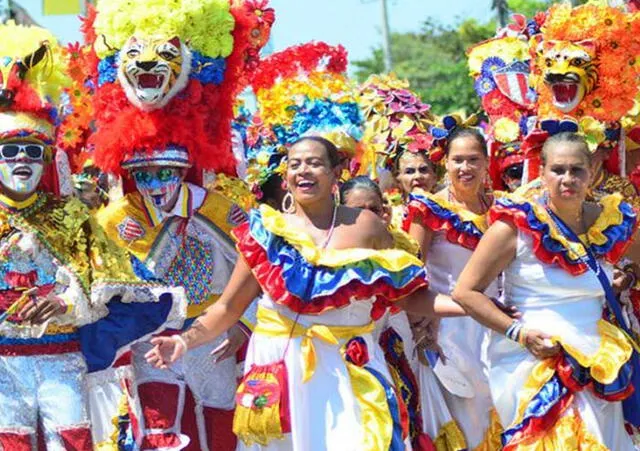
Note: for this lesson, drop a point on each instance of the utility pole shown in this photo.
(386, 37)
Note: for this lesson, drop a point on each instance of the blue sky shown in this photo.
(352, 23)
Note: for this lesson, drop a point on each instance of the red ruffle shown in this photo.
(419, 212)
(565, 372)
(269, 276)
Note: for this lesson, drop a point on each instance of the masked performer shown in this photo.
(559, 374)
(60, 274)
(166, 80)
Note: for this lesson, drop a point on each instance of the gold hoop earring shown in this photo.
(288, 204)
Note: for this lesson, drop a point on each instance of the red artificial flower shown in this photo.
(497, 104)
(356, 351)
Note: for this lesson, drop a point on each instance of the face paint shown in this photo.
(158, 188)
(20, 172)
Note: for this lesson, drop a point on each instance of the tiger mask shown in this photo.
(569, 70)
(153, 70)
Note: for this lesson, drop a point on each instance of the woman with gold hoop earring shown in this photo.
(326, 273)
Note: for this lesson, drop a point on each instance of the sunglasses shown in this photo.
(162, 175)
(33, 151)
(514, 172)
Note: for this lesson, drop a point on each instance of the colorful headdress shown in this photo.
(500, 68)
(396, 120)
(585, 62)
(33, 79)
(300, 91)
(167, 76)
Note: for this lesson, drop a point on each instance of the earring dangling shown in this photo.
(288, 205)
(336, 195)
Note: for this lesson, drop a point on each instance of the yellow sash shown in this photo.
(273, 324)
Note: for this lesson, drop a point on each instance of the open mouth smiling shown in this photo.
(22, 172)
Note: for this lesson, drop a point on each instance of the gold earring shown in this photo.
(288, 204)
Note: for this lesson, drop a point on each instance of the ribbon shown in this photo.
(273, 324)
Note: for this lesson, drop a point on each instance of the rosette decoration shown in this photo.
(166, 78)
(396, 120)
(300, 91)
(33, 78)
(500, 68)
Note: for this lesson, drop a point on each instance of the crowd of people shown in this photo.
(334, 268)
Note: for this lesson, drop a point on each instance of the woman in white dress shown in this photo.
(315, 377)
(560, 375)
(448, 225)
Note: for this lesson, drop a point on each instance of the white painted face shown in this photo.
(21, 166)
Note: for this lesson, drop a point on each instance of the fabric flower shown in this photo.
(356, 351)
(490, 65)
(497, 104)
(506, 130)
(484, 85)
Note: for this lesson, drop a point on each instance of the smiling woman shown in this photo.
(326, 274)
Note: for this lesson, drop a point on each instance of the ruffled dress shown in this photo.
(315, 376)
(573, 401)
(463, 378)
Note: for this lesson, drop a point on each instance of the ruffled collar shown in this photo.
(461, 226)
(608, 237)
(307, 279)
(276, 223)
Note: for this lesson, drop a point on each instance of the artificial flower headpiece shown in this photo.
(445, 126)
(500, 68)
(396, 120)
(167, 76)
(585, 62)
(300, 91)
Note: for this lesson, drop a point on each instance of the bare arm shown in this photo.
(428, 303)
(423, 236)
(494, 253)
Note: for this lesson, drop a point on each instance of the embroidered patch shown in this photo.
(236, 216)
(130, 229)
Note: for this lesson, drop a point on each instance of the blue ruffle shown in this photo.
(615, 233)
(307, 282)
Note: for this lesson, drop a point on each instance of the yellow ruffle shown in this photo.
(492, 440)
(609, 216)
(450, 438)
(271, 323)
(404, 241)
(480, 221)
(568, 434)
(393, 260)
(614, 351)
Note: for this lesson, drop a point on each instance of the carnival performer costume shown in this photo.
(51, 250)
(166, 79)
(571, 401)
(316, 378)
(397, 121)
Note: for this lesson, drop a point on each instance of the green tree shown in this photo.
(434, 62)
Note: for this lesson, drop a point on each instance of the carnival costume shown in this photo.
(315, 377)
(500, 67)
(166, 79)
(397, 121)
(456, 233)
(571, 401)
(52, 248)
